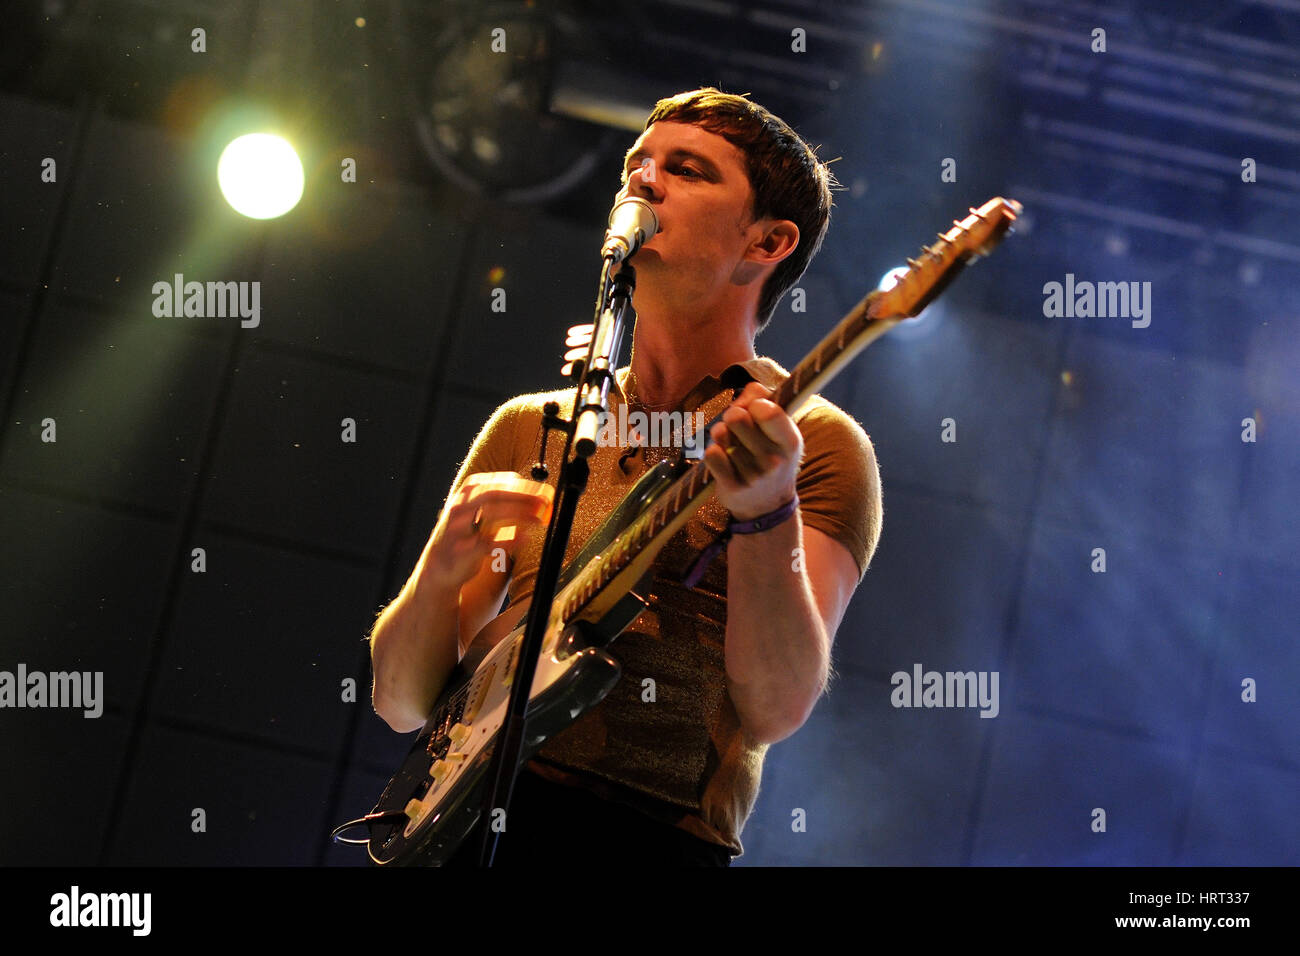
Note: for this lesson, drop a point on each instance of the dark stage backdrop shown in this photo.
(1096, 511)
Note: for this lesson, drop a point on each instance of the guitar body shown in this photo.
(435, 798)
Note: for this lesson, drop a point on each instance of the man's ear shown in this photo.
(778, 240)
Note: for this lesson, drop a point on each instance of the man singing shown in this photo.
(666, 769)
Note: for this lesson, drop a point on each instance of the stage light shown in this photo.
(890, 278)
(260, 176)
(921, 325)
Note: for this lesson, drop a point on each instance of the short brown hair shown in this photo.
(788, 179)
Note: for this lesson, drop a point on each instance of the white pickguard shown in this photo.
(492, 683)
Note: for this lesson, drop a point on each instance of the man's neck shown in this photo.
(670, 359)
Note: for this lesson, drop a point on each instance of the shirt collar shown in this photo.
(735, 376)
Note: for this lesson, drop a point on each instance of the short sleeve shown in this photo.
(493, 449)
(839, 481)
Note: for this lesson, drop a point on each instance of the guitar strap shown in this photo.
(734, 376)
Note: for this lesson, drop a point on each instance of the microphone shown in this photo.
(631, 223)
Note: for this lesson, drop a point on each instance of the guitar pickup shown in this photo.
(472, 709)
(514, 660)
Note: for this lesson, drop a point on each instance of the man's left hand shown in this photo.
(755, 455)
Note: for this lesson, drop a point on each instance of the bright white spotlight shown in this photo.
(260, 176)
(924, 323)
(890, 278)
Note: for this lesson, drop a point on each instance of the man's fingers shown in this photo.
(751, 393)
(738, 463)
(496, 507)
(719, 464)
(504, 487)
(749, 433)
(505, 480)
(489, 506)
(497, 504)
(776, 424)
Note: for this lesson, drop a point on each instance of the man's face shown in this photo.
(697, 184)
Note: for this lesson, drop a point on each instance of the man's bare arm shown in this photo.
(782, 613)
(452, 593)
(783, 609)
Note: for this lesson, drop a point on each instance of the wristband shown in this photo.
(752, 526)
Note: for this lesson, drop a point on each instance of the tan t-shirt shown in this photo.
(682, 758)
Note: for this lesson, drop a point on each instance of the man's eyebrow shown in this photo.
(680, 153)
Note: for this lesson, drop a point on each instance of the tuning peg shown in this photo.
(914, 263)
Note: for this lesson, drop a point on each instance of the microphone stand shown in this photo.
(591, 400)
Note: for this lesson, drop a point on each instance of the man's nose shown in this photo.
(643, 182)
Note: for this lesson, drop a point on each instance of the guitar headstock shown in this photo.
(938, 264)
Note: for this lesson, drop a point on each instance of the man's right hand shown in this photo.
(452, 593)
(485, 514)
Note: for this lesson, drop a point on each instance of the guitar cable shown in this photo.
(369, 820)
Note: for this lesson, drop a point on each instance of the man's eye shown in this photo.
(689, 171)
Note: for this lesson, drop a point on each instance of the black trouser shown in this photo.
(551, 825)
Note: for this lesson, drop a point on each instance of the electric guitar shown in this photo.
(433, 801)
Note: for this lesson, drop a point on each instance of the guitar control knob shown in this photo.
(439, 770)
(415, 811)
(459, 734)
